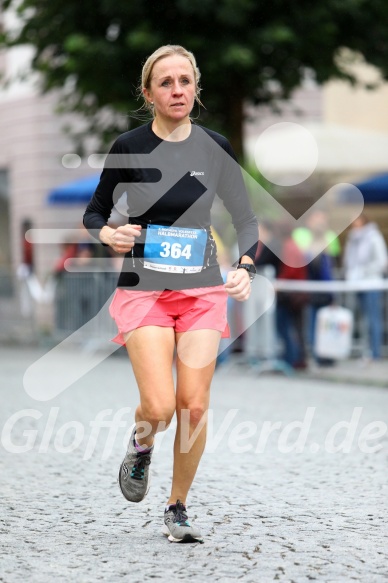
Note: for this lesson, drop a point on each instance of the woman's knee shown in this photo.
(158, 414)
(194, 413)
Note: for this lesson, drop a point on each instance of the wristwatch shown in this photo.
(249, 267)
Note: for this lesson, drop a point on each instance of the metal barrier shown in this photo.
(360, 334)
(345, 294)
(78, 299)
(261, 345)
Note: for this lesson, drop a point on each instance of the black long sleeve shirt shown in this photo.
(172, 184)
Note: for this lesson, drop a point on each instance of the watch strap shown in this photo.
(249, 267)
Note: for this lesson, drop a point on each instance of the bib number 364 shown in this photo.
(175, 250)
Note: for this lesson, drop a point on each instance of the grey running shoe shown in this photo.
(176, 525)
(134, 474)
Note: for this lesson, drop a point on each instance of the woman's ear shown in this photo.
(147, 95)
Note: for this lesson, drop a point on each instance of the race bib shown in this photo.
(174, 249)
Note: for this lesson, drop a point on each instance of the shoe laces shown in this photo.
(142, 460)
(180, 515)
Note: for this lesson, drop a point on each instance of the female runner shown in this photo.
(170, 293)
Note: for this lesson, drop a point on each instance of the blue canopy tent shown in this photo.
(374, 190)
(76, 192)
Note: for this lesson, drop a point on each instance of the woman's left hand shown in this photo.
(238, 285)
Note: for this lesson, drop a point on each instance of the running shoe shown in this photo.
(177, 527)
(134, 474)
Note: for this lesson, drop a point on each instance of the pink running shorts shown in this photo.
(183, 310)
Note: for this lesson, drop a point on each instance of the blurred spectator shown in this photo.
(290, 305)
(366, 258)
(84, 255)
(319, 268)
(317, 224)
(69, 250)
(27, 248)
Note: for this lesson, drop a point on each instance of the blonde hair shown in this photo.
(158, 55)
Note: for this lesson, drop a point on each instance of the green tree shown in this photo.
(248, 51)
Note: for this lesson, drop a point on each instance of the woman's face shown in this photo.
(172, 88)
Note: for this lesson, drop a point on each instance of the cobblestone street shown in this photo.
(292, 485)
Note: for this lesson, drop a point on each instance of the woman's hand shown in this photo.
(121, 239)
(238, 285)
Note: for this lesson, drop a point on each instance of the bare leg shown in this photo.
(197, 351)
(151, 351)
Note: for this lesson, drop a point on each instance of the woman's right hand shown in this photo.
(121, 239)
